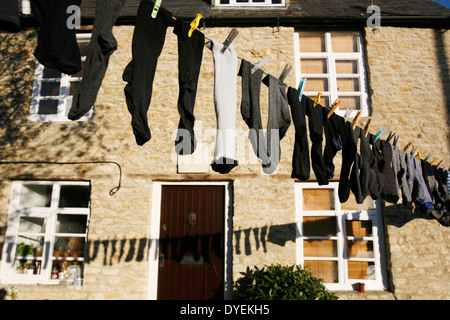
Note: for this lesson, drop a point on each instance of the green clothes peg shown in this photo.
(156, 8)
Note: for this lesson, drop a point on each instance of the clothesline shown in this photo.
(331, 109)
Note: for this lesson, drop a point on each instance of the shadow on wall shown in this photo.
(444, 66)
(44, 141)
(128, 250)
(137, 249)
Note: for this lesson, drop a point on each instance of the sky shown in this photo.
(445, 3)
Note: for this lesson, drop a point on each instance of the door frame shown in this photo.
(155, 221)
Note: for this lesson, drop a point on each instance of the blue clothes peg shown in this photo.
(379, 133)
(301, 88)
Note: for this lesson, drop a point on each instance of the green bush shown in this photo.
(277, 282)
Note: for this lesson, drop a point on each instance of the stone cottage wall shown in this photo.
(263, 206)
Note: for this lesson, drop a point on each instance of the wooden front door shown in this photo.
(191, 248)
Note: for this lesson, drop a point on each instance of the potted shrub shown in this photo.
(277, 282)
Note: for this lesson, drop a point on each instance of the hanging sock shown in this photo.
(300, 158)
(9, 16)
(148, 41)
(57, 46)
(225, 99)
(278, 122)
(101, 46)
(190, 54)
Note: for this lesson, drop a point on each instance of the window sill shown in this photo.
(368, 295)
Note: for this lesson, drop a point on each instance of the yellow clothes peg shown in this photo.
(195, 23)
(418, 156)
(316, 99)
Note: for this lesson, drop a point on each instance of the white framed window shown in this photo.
(343, 244)
(256, 3)
(333, 63)
(47, 232)
(52, 90)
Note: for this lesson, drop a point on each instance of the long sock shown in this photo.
(190, 54)
(101, 47)
(148, 41)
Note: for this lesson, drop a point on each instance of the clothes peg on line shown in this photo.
(194, 24)
(316, 99)
(379, 133)
(356, 119)
(259, 64)
(233, 34)
(418, 156)
(156, 8)
(390, 136)
(413, 150)
(285, 72)
(301, 88)
(427, 157)
(396, 140)
(347, 114)
(439, 164)
(334, 106)
(366, 128)
(407, 146)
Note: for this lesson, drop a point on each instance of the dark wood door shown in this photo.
(191, 248)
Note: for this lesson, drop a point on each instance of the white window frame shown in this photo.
(64, 99)
(7, 268)
(380, 274)
(331, 58)
(250, 3)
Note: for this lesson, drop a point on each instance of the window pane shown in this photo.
(84, 46)
(51, 73)
(350, 103)
(358, 228)
(316, 84)
(319, 226)
(350, 204)
(359, 249)
(73, 87)
(326, 270)
(312, 42)
(50, 88)
(346, 66)
(31, 225)
(361, 270)
(33, 195)
(318, 199)
(344, 43)
(324, 100)
(48, 107)
(69, 247)
(74, 197)
(28, 267)
(348, 84)
(67, 269)
(71, 223)
(29, 246)
(319, 248)
(314, 66)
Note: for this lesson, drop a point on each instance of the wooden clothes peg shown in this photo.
(367, 127)
(156, 8)
(407, 146)
(194, 24)
(334, 106)
(233, 34)
(355, 120)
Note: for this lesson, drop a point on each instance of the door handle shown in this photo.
(161, 260)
